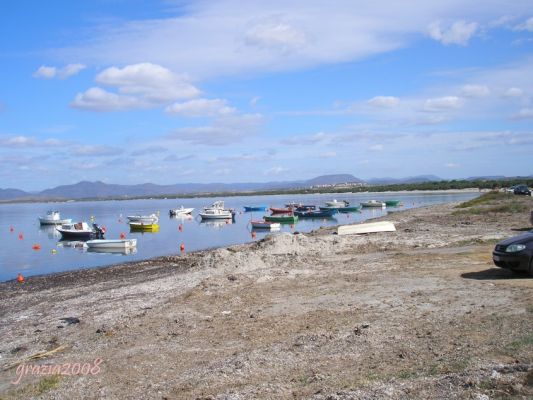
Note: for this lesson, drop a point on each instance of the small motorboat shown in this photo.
(281, 210)
(217, 211)
(349, 209)
(284, 219)
(181, 211)
(112, 250)
(54, 218)
(373, 203)
(293, 204)
(80, 230)
(392, 203)
(255, 208)
(304, 207)
(111, 243)
(145, 219)
(140, 226)
(265, 225)
(316, 214)
(337, 204)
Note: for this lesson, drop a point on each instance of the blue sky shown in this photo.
(228, 91)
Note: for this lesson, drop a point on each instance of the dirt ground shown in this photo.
(417, 313)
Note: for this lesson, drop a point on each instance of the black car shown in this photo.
(522, 189)
(515, 253)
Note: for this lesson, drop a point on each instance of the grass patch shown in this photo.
(484, 199)
(47, 383)
(516, 345)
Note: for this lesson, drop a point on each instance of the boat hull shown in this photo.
(265, 225)
(112, 243)
(255, 208)
(45, 221)
(392, 203)
(285, 219)
(139, 226)
(316, 214)
(181, 211)
(371, 204)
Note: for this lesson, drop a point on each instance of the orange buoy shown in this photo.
(20, 278)
(104, 229)
(21, 236)
(253, 235)
(36, 247)
(182, 247)
(123, 235)
(180, 227)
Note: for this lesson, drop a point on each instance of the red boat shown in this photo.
(281, 210)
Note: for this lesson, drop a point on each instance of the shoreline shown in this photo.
(398, 314)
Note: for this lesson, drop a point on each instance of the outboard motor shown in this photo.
(98, 231)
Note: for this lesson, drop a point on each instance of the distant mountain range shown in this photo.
(91, 190)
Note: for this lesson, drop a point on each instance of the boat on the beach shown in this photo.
(142, 227)
(369, 227)
(255, 208)
(337, 204)
(180, 211)
(392, 203)
(373, 203)
(268, 225)
(284, 219)
(216, 211)
(80, 230)
(145, 219)
(316, 214)
(111, 243)
(54, 218)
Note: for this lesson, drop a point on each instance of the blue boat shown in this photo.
(255, 208)
(316, 214)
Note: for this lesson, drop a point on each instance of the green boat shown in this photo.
(349, 209)
(392, 203)
(284, 219)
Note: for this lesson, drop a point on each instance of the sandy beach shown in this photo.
(417, 313)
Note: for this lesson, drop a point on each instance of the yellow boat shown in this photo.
(141, 227)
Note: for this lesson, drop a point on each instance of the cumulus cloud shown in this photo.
(475, 91)
(526, 25)
(45, 72)
(200, 108)
(459, 32)
(384, 101)
(276, 35)
(142, 85)
(442, 103)
(18, 141)
(513, 92)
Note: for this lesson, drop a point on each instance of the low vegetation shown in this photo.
(495, 202)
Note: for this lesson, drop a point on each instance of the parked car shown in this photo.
(515, 253)
(522, 189)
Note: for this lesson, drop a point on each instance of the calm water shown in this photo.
(17, 255)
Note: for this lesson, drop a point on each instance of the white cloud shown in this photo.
(67, 71)
(96, 150)
(224, 131)
(524, 113)
(275, 170)
(452, 165)
(376, 147)
(513, 92)
(526, 25)
(329, 154)
(475, 91)
(18, 141)
(276, 35)
(200, 108)
(142, 85)
(384, 101)
(306, 139)
(442, 103)
(459, 32)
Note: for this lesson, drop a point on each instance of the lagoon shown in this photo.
(18, 256)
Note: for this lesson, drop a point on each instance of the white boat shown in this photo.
(265, 225)
(370, 227)
(216, 211)
(53, 218)
(112, 250)
(145, 219)
(373, 203)
(111, 243)
(337, 204)
(181, 211)
(80, 230)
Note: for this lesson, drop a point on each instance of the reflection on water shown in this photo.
(119, 251)
(50, 231)
(77, 244)
(216, 223)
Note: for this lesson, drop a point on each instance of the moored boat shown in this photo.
(392, 203)
(337, 204)
(285, 219)
(145, 219)
(53, 218)
(181, 211)
(373, 203)
(349, 209)
(316, 214)
(275, 210)
(140, 226)
(216, 211)
(80, 230)
(111, 243)
(255, 208)
(265, 225)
